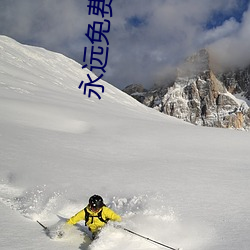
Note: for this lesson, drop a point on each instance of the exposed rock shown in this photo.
(237, 81)
(133, 88)
(201, 97)
(137, 91)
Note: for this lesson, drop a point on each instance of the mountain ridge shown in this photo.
(200, 95)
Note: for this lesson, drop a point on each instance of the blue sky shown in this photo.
(148, 38)
(218, 17)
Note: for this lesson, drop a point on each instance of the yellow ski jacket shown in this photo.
(94, 223)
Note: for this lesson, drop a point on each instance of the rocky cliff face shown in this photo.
(201, 97)
(237, 81)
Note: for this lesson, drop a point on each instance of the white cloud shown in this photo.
(228, 28)
(233, 50)
(170, 31)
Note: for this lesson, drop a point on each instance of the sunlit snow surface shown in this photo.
(181, 185)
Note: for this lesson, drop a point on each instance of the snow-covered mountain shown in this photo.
(201, 96)
(182, 185)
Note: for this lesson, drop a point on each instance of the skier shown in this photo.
(95, 214)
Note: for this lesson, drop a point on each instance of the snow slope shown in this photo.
(176, 183)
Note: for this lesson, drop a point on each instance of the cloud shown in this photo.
(147, 38)
(52, 24)
(171, 31)
(228, 28)
(233, 49)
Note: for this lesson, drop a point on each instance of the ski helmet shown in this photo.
(95, 202)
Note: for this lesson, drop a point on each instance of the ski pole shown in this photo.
(146, 238)
(45, 228)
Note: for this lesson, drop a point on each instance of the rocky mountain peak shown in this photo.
(202, 97)
(196, 64)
